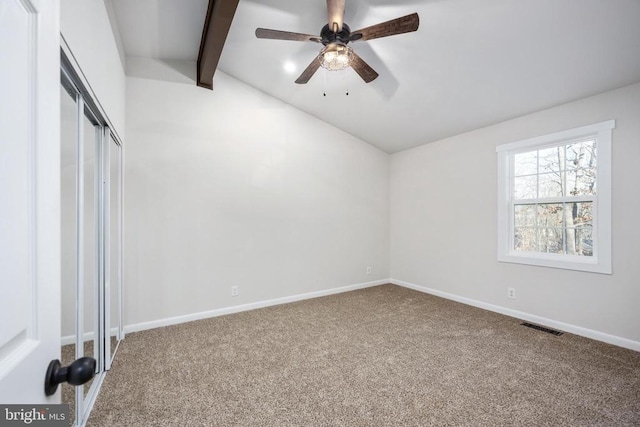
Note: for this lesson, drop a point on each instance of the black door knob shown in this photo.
(77, 373)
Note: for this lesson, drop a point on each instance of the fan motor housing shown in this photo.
(329, 36)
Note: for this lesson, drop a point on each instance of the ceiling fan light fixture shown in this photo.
(335, 35)
(335, 56)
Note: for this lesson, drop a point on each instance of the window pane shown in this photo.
(524, 239)
(581, 182)
(524, 215)
(551, 159)
(525, 163)
(550, 240)
(577, 217)
(581, 155)
(580, 213)
(551, 185)
(550, 215)
(524, 187)
(584, 240)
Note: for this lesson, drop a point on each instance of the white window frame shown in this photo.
(600, 262)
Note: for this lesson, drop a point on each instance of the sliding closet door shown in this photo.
(91, 240)
(69, 182)
(113, 231)
(81, 141)
(90, 344)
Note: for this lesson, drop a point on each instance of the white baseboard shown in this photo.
(566, 327)
(245, 307)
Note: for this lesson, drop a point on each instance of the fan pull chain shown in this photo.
(324, 82)
(346, 80)
(346, 77)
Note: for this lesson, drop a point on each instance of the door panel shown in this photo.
(69, 217)
(69, 231)
(15, 178)
(113, 278)
(30, 198)
(90, 224)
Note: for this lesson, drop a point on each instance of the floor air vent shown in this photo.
(542, 328)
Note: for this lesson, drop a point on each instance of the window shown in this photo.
(554, 199)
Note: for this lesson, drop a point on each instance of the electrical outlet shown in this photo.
(234, 291)
(368, 270)
(511, 293)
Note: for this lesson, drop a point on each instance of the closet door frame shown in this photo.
(86, 105)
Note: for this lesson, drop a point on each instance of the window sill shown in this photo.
(591, 264)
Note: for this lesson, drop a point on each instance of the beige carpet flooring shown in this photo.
(382, 356)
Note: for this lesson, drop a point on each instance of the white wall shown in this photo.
(86, 28)
(231, 187)
(443, 221)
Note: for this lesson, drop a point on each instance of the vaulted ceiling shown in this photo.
(470, 64)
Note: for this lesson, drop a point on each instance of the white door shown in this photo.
(29, 198)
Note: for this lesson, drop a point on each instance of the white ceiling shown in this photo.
(470, 64)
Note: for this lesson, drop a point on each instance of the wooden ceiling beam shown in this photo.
(216, 27)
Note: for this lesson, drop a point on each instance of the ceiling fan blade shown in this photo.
(336, 14)
(405, 24)
(309, 71)
(265, 33)
(363, 69)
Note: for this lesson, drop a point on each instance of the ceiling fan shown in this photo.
(336, 35)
